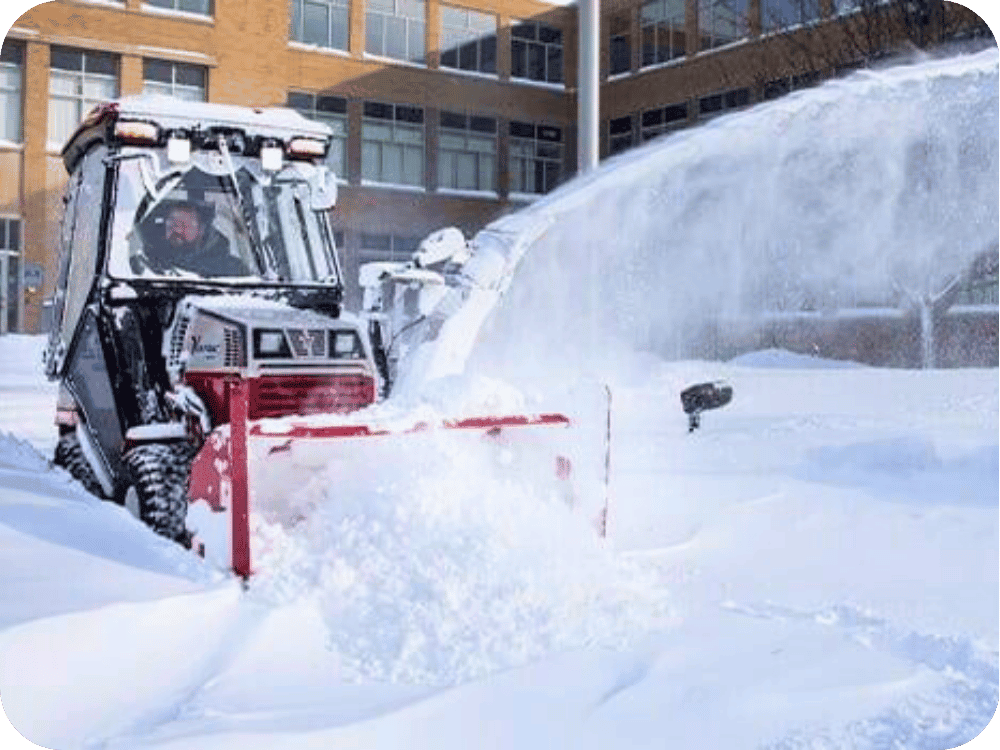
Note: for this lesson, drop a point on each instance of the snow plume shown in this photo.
(868, 189)
(447, 568)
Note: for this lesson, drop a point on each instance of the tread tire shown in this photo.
(159, 472)
(69, 455)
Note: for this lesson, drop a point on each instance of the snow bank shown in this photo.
(442, 567)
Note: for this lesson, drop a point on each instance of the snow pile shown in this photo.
(449, 569)
(836, 196)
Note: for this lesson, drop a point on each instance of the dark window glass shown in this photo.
(519, 59)
(549, 133)
(620, 125)
(549, 35)
(190, 75)
(774, 89)
(452, 120)
(101, 62)
(12, 53)
(652, 117)
(157, 70)
(331, 104)
(467, 56)
(483, 124)
(488, 54)
(378, 110)
(449, 58)
(523, 31)
(675, 112)
(522, 130)
(555, 55)
(737, 98)
(66, 59)
(299, 101)
(709, 104)
(409, 114)
(621, 55)
(536, 62)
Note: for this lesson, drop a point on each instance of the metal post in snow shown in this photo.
(239, 473)
(588, 85)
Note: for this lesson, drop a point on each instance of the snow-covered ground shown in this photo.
(816, 567)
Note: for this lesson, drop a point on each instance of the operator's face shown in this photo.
(183, 227)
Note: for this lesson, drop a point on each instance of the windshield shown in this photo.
(196, 221)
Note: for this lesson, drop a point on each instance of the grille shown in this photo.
(234, 348)
(285, 395)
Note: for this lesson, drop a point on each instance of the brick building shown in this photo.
(445, 113)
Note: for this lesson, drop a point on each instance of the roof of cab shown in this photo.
(170, 113)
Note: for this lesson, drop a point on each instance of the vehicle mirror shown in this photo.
(322, 189)
(178, 150)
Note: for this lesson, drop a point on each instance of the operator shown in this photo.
(192, 244)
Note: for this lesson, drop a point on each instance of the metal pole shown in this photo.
(588, 85)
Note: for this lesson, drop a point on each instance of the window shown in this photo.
(620, 135)
(468, 40)
(395, 28)
(332, 111)
(536, 156)
(536, 52)
(716, 104)
(722, 22)
(202, 7)
(781, 86)
(662, 24)
(387, 247)
(392, 144)
(11, 67)
(781, 14)
(174, 79)
(325, 23)
(658, 121)
(10, 273)
(78, 81)
(467, 152)
(621, 45)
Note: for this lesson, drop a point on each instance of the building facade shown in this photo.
(444, 113)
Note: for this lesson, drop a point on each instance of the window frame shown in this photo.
(708, 11)
(470, 38)
(397, 124)
(297, 23)
(13, 94)
(11, 283)
(617, 140)
(661, 120)
(398, 248)
(666, 23)
(161, 7)
(174, 85)
(81, 78)
(398, 10)
(471, 130)
(546, 48)
(535, 158)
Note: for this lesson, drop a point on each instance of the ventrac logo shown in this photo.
(205, 350)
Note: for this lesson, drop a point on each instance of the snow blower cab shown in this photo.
(209, 376)
(196, 256)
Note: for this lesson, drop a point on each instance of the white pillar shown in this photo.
(588, 85)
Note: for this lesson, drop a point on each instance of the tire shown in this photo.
(157, 486)
(69, 456)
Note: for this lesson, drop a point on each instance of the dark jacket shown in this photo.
(210, 258)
